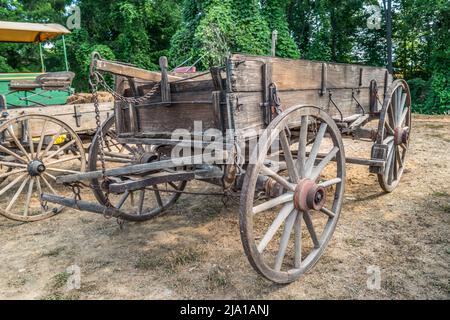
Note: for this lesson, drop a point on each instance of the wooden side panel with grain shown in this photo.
(66, 114)
(191, 101)
(298, 82)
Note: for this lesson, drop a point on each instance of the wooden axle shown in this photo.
(165, 177)
(139, 169)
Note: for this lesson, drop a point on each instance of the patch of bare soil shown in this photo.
(194, 251)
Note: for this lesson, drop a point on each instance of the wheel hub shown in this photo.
(147, 157)
(401, 135)
(309, 196)
(35, 168)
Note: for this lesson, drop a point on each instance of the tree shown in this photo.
(251, 31)
(275, 15)
(213, 28)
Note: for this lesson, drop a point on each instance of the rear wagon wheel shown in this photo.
(137, 205)
(394, 131)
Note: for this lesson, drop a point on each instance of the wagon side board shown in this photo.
(340, 89)
(237, 98)
(80, 117)
(195, 106)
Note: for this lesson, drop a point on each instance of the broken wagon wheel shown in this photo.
(33, 151)
(310, 202)
(394, 131)
(137, 205)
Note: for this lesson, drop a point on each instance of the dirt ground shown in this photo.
(194, 251)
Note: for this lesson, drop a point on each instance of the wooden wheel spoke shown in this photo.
(48, 185)
(53, 154)
(13, 164)
(10, 173)
(122, 199)
(323, 163)
(12, 183)
(61, 170)
(173, 185)
(389, 129)
(50, 176)
(403, 117)
(17, 194)
(39, 188)
(141, 201)
(315, 148)
(398, 157)
(289, 224)
(11, 153)
(41, 140)
(158, 197)
(328, 212)
(29, 195)
(119, 155)
(293, 175)
(394, 166)
(30, 138)
(311, 230)
(63, 160)
(301, 156)
(331, 182)
(402, 107)
(277, 178)
(18, 144)
(389, 159)
(298, 240)
(273, 203)
(388, 139)
(391, 118)
(284, 213)
(52, 142)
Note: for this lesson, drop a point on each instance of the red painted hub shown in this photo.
(309, 196)
(401, 135)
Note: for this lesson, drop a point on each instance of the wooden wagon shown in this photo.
(40, 135)
(276, 128)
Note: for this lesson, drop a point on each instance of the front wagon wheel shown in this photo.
(300, 165)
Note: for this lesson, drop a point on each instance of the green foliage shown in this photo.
(213, 28)
(140, 31)
(251, 33)
(275, 14)
(211, 38)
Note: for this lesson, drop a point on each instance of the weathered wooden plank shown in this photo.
(81, 205)
(129, 71)
(176, 116)
(249, 115)
(140, 169)
(66, 114)
(291, 74)
(157, 178)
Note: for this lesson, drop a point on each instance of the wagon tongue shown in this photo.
(81, 205)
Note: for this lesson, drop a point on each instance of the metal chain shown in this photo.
(93, 81)
(117, 96)
(96, 79)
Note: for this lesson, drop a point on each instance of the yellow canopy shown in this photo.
(29, 32)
